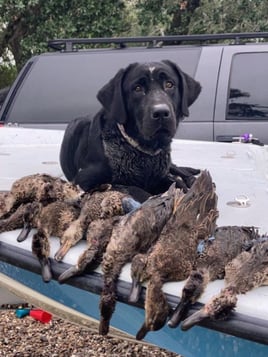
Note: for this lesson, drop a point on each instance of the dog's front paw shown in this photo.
(93, 176)
(183, 176)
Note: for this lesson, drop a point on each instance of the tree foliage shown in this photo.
(201, 16)
(223, 16)
(164, 17)
(26, 25)
(7, 75)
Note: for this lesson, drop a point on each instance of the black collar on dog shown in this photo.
(134, 143)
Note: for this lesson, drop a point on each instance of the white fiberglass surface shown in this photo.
(240, 172)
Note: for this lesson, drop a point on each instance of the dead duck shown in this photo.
(173, 255)
(213, 256)
(247, 271)
(103, 202)
(201, 216)
(157, 312)
(38, 187)
(98, 235)
(134, 233)
(16, 219)
(50, 220)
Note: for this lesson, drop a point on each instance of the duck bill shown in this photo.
(142, 332)
(60, 254)
(194, 319)
(104, 327)
(24, 233)
(135, 291)
(67, 274)
(46, 270)
(179, 313)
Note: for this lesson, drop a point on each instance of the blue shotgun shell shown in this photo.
(22, 312)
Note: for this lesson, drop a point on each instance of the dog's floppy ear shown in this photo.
(111, 98)
(190, 87)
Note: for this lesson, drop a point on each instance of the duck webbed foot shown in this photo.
(218, 308)
(190, 293)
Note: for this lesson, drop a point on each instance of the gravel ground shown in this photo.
(27, 337)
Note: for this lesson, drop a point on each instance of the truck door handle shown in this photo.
(227, 138)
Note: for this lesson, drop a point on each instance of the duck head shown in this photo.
(30, 214)
(218, 308)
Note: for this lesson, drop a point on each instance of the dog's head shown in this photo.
(149, 100)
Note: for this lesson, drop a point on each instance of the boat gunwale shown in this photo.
(238, 324)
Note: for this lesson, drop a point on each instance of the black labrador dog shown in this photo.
(128, 142)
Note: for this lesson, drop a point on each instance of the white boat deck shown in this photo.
(240, 171)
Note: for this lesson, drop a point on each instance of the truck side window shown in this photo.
(62, 86)
(248, 89)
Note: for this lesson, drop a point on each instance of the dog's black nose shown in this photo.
(160, 111)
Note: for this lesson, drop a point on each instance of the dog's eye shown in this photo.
(138, 88)
(169, 85)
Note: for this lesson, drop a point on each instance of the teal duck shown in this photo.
(98, 235)
(214, 254)
(134, 233)
(246, 271)
(50, 220)
(173, 255)
(103, 203)
(38, 187)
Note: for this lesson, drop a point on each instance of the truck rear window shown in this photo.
(63, 86)
(248, 91)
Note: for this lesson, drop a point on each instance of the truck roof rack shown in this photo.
(68, 45)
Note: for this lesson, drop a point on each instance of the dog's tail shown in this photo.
(70, 144)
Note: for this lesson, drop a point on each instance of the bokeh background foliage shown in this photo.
(27, 25)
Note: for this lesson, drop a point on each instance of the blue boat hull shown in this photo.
(198, 342)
